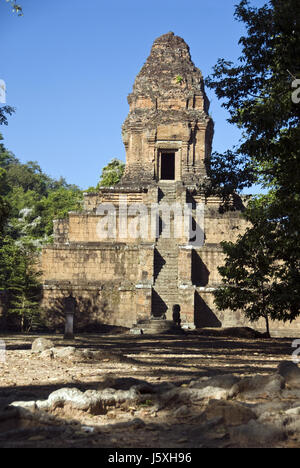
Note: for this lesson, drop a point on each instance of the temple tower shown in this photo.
(120, 278)
(168, 132)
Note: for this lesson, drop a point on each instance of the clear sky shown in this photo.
(70, 64)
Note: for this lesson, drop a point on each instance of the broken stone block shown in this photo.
(41, 344)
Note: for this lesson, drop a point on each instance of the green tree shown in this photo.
(4, 112)
(257, 92)
(57, 205)
(4, 207)
(24, 286)
(16, 8)
(29, 202)
(250, 271)
(111, 174)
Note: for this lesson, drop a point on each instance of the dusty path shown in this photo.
(155, 359)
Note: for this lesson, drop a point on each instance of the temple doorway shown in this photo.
(167, 166)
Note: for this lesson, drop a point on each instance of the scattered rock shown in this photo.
(225, 381)
(66, 352)
(70, 352)
(28, 405)
(182, 412)
(136, 423)
(48, 353)
(256, 435)
(267, 409)
(292, 425)
(290, 372)
(293, 411)
(184, 394)
(231, 412)
(125, 383)
(88, 401)
(41, 344)
(92, 401)
(259, 386)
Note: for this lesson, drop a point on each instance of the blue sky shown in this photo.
(70, 64)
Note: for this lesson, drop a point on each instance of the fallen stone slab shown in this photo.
(92, 401)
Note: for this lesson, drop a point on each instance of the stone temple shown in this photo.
(121, 278)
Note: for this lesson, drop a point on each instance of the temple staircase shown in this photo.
(165, 288)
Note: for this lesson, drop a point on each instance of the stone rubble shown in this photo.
(225, 410)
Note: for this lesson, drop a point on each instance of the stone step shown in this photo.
(155, 327)
(167, 280)
(161, 293)
(166, 266)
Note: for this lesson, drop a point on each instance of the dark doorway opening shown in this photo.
(167, 166)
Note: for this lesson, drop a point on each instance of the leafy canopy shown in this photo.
(112, 173)
(257, 92)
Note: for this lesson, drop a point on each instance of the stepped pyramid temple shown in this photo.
(152, 241)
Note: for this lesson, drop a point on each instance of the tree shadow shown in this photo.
(159, 262)
(196, 234)
(159, 307)
(200, 273)
(203, 315)
(86, 313)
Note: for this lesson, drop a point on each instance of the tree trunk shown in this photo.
(267, 327)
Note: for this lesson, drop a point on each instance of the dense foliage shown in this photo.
(29, 202)
(16, 7)
(259, 93)
(112, 173)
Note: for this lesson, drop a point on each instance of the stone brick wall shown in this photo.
(107, 303)
(83, 263)
(110, 283)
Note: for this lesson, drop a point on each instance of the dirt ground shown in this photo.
(156, 359)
